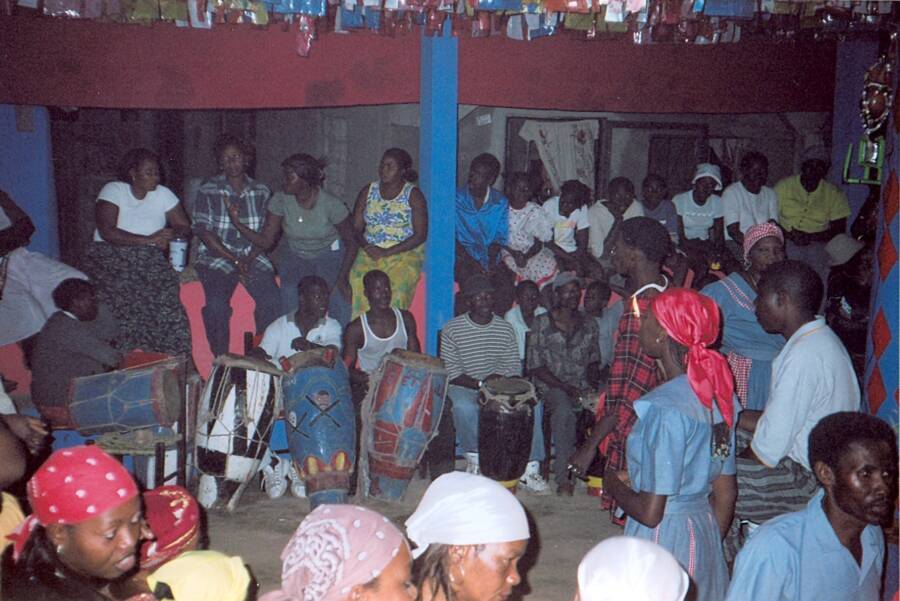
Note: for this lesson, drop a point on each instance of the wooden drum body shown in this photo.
(505, 428)
(237, 409)
(400, 416)
(321, 424)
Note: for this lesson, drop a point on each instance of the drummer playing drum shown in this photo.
(378, 331)
(479, 346)
(308, 328)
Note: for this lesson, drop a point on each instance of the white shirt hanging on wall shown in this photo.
(566, 148)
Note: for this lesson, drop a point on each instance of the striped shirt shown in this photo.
(479, 351)
(211, 214)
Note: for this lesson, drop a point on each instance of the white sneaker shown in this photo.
(472, 463)
(298, 486)
(274, 476)
(533, 481)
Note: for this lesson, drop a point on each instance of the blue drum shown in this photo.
(321, 424)
(127, 399)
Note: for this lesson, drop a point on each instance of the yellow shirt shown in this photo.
(10, 518)
(809, 212)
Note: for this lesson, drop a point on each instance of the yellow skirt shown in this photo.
(404, 270)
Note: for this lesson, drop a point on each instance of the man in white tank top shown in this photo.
(378, 331)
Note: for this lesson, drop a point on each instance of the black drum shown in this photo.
(505, 427)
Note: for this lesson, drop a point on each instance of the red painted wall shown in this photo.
(63, 62)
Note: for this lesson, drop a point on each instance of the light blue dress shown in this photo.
(670, 453)
(744, 341)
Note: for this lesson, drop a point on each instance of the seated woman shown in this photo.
(524, 253)
(136, 218)
(624, 567)
(201, 576)
(83, 533)
(749, 349)
(470, 534)
(344, 553)
(680, 487)
(391, 222)
(318, 230)
(701, 219)
(173, 517)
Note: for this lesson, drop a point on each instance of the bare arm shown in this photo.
(734, 230)
(681, 237)
(359, 215)
(267, 236)
(645, 507)
(717, 232)
(19, 232)
(12, 466)
(724, 494)
(178, 221)
(748, 419)
(214, 243)
(348, 238)
(412, 336)
(581, 241)
(353, 341)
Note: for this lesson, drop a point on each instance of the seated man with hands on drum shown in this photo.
(563, 346)
(306, 329)
(378, 331)
(75, 342)
(478, 347)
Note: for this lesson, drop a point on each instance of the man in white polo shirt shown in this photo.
(812, 377)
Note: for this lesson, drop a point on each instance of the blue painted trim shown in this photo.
(26, 174)
(439, 83)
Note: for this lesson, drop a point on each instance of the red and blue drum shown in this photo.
(127, 399)
(505, 428)
(321, 424)
(237, 409)
(400, 416)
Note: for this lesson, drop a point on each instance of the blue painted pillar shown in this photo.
(437, 159)
(26, 171)
(853, 58)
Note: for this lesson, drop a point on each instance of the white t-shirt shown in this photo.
(142, 217)
(601, 221)
(697, 219)
(746, 209)
(277, 338)
(812, 377)
(564, 227)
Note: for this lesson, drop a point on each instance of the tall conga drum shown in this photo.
(143, 396)
(505, 428)
(321, 424)
(237, 409)
(400, 415)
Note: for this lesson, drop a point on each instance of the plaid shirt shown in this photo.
(211, 215)
(632, 374)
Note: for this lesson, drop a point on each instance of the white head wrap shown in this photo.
(623, 567)
(465, 509)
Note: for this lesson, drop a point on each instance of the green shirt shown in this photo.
(309, 232)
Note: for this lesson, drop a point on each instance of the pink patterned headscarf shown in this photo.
(334, 549)
(758, 232)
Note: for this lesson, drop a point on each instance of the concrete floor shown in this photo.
(563, 530)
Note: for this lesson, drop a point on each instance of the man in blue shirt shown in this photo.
(833, 549)
(482, 222)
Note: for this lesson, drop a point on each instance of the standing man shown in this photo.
(812, 210)
(812, 377)
(564, 344)
(834, 548)
(476, 347)
(226, 256)
(378, 331)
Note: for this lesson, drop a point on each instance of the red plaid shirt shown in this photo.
(632, 374)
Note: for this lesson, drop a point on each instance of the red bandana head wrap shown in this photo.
(692, 320)
(74, 485)
(758, 232)
(174, 518)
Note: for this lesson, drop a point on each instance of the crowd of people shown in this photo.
(728, 428)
